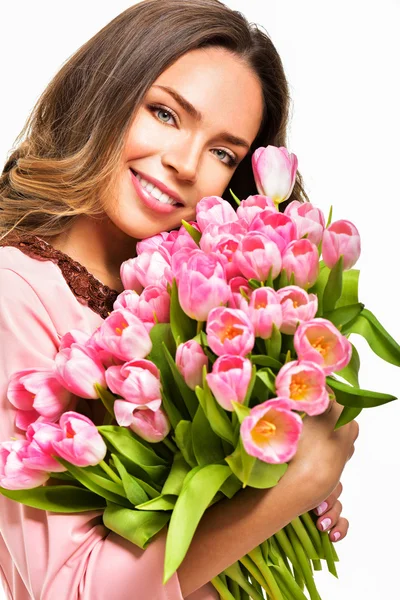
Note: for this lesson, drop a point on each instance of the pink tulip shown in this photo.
(38, 393)
(181, 239)
(39, 453)
(309, 220)
(236, 284)
(297, 306)
(276, 226)
(301, 259)
(256, 256)
(152, 243)
(230, 379)
(14, 475)
(129, 277)
(82, 444)
(224, 240)
(271, 432)
(152, 267)
(213, 209)
(264, 311)
(303, 383)
(124, 335)
(74, 336)
(319, 341)
(78, 369)
(274, 172)
(229, 331)
(152, 426)
(190, 360)
(152, 306)
(202, 285)
(253, 205)
(138, 383)
(341, 238)
(106, 357)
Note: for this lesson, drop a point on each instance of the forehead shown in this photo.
(221, 86)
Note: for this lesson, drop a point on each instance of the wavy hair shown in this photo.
(66, 158)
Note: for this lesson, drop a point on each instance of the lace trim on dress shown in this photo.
(86, 288)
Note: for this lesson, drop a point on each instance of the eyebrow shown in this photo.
(193, 112)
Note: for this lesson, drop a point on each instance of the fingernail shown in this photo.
(321, 508)
(336, 536)
(325, 523)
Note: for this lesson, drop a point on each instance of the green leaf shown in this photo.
(252, 471)
(128, 446)
(266, 361)
(197, 493)
(254, 283)
(283, 280)
(196, 235)
(176, 477)
(333, 288)
(251, 386)
(207, 445)
(242, 411)
(57, 498)
(378, 339)
(173, 414)
(319, 286)
(107, 398)
(268, 379)
(344, 314)
(184, 441)
(274, 343)
(350, 288)
(236, 199)
(134, 491)
(163, 502)
(356, 397)
(215, 414)
(350, 372)
(329, 221)
(348, 414)
(188, 395)
(137, 526)
(151, 488)
(99, 485)
(161, 334)
(231, 486)
(182, 326)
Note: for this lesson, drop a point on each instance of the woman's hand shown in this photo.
(329, 512)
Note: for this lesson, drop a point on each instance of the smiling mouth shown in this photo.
(176, 202)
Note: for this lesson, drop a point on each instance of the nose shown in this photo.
(184, 159)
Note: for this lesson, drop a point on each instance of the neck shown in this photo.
(99, 246)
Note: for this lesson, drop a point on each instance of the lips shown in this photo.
(160, 186)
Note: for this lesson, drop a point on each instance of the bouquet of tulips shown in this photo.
(230, 330)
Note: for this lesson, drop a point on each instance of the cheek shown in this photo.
(143, 137)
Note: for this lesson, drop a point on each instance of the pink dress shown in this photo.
(60, 556)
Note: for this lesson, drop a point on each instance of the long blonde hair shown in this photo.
(67, 156)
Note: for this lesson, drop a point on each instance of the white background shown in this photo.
(341, 60)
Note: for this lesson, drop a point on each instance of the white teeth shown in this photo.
(155, 191)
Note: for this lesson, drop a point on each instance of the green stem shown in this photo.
(254, 571)
(287, 548)
(314, 533)
(234, 572)
(327, 546)
(257, 557)
(110, 472)
(199, 327)
(304, 538)
(221, 588)
(304, 563)
(170, 444)
(289, 585)
(234, 589)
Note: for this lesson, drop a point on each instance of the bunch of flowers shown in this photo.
(229, 332)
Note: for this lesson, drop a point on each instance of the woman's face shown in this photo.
(186, 152)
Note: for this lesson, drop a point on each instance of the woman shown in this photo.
(178, 99)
